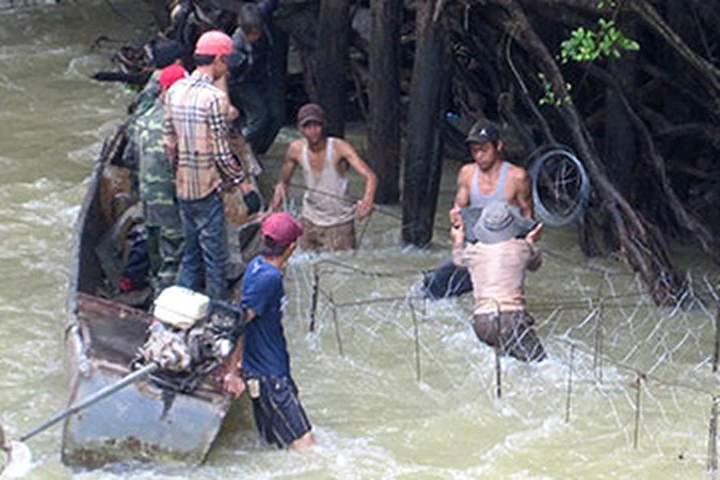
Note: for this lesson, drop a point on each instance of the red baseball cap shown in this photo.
(213, 43)
(171, 74)
(282, 228)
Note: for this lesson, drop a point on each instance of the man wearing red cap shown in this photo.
(327, 214)
(157, 188)
(279, 416)
(197, 145)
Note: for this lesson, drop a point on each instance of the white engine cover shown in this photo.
(180, 307)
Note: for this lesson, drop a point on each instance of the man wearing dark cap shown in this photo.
(327, 214)
(489, 178)
(279, 416)
(498, 249)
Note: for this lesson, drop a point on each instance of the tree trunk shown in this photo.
(384, 97)
(620, 145)
(428, 96)
(332, 60)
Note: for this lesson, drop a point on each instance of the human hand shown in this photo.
(533, 236)
(457, 231)
(233, 113)
(364, 207)
(233, 384)
(278, 196)
(455, 215)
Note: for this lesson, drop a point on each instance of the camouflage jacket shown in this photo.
(157, 185)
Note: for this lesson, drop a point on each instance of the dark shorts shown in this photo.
(279, 416)
(519, 339)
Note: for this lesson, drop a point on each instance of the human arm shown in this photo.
(457, 235)
(170, 139)
(286, 173)
(523, 192)
(232, 380)
(365, 204)
(217, 119)
(535, 260)
(462, 197)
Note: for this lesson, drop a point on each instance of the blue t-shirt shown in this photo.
(264, 347)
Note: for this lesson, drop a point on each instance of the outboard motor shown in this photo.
(190, 337)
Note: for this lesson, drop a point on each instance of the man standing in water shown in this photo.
(489, 178)
(279, 416)
(197, 146)
(327, 214)
(500, 248)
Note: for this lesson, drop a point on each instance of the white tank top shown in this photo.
(325, 203)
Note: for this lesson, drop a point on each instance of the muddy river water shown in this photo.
(394, 389)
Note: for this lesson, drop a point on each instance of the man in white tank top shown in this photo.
(488, 178)
(328, 215)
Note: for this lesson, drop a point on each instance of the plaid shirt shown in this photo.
(196, 133)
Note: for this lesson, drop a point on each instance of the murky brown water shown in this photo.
(372, 416)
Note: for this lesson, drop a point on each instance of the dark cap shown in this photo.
(165, 52)
(310, 112)
(483, 131)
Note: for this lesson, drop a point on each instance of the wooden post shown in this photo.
(384, 99)
(426, 115)
(332, 62)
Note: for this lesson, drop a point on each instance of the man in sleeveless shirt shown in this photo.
(489, 178)
(328, 215)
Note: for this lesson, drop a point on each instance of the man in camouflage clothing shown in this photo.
(157, 186)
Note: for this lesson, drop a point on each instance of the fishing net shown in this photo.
(633, 373)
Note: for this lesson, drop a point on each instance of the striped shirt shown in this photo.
(196, 128)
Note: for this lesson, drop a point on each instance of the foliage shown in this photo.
(550, 98)
(585, 45)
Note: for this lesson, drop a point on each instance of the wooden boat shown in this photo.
(104, 336)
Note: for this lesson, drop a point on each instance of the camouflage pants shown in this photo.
(519, 339)
(165, 243)
(334, 238)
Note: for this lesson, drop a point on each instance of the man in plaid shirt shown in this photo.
(197, 147)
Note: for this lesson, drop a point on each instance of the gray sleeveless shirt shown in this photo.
(477, 199)
(324, 203)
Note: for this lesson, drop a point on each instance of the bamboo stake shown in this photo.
(498, 355)
(636, 433)
(337, 325)
(716, 353)
(569, 388)
(315, 288)
(417, 341)
(598, 350)
(712, 464)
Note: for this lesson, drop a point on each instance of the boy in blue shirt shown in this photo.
(279, 416)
